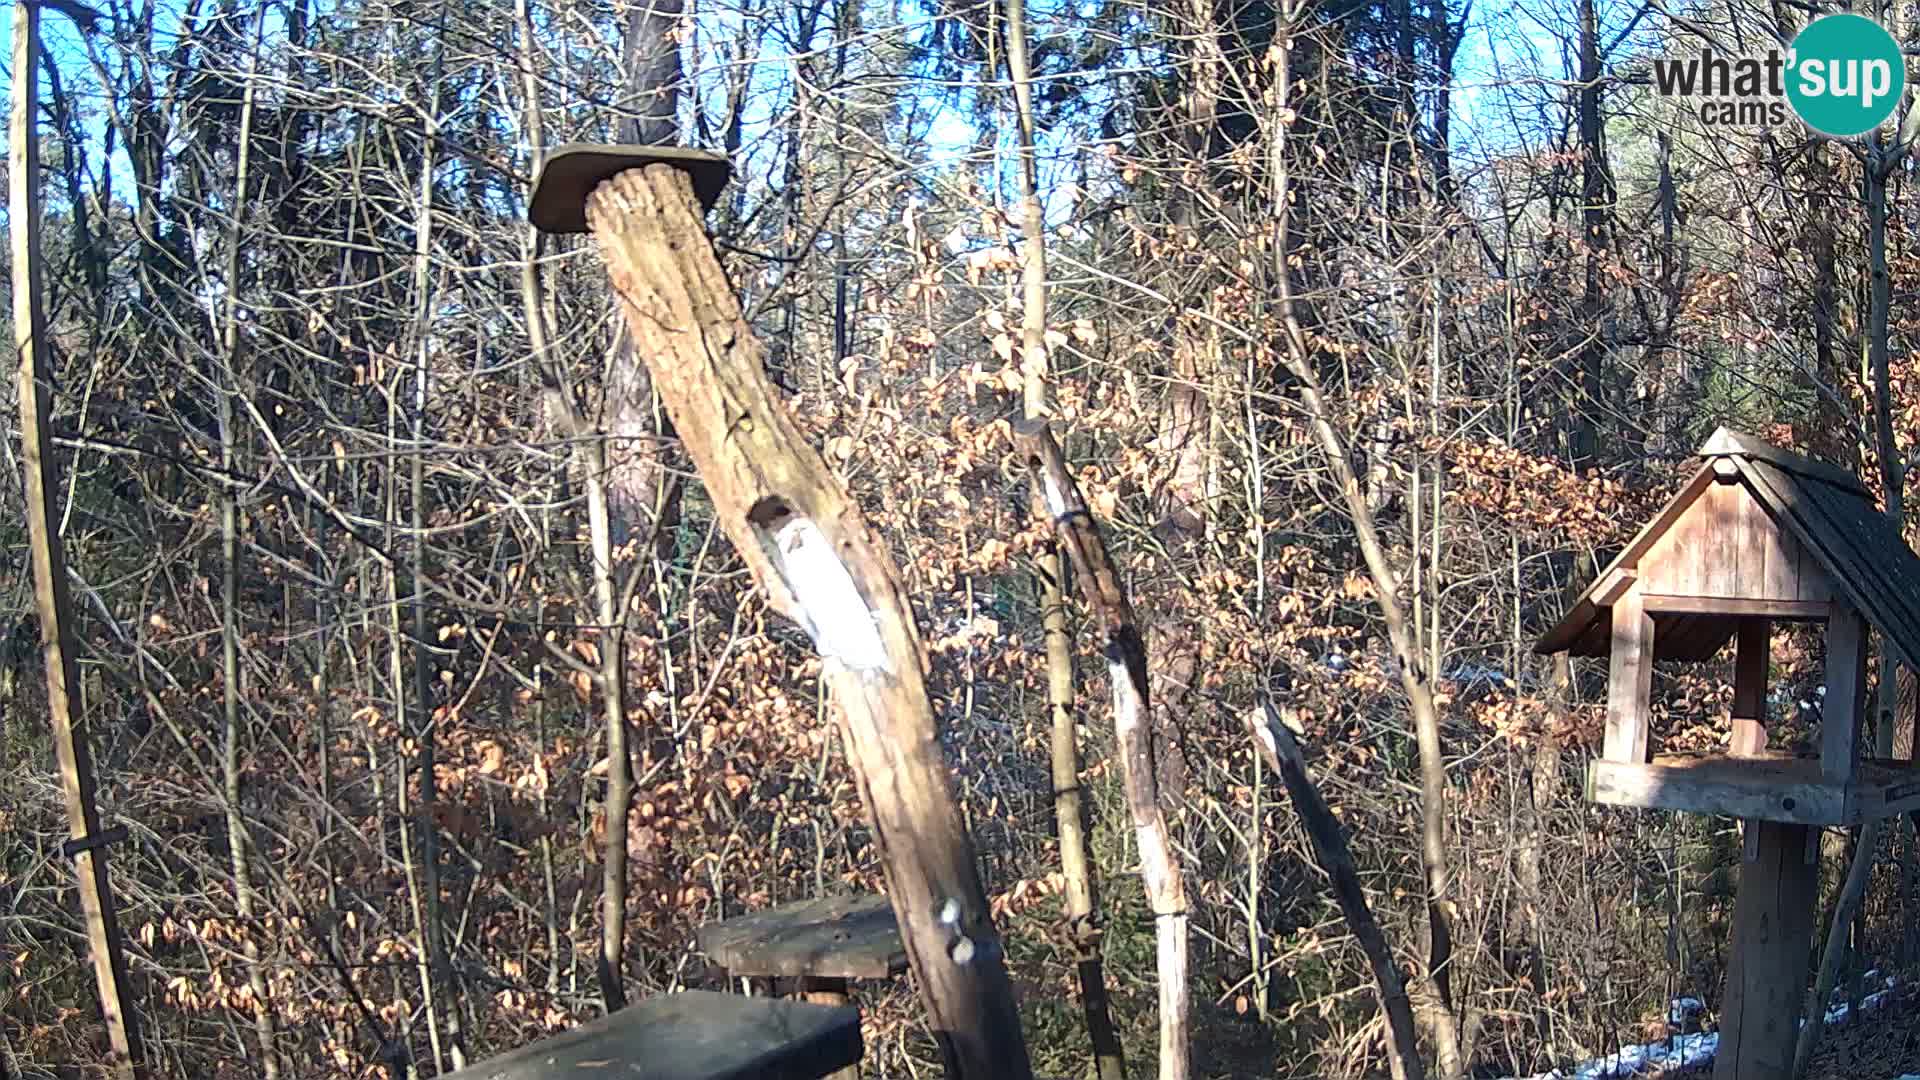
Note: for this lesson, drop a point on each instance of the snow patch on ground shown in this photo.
(1678, 1052)
(1694, 1050)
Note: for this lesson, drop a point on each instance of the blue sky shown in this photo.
(1507, 50)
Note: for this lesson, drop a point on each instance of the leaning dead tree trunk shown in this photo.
(34, 382)
(820, 562)
(1282, 751)
(1127, 672)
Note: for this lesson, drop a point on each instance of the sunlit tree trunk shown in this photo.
(1083, 916)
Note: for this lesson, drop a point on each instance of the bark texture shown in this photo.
(1127, 673)
(822, 565)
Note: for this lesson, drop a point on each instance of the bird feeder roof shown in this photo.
(1817, 524)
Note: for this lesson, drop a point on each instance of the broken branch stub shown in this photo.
(821, 564)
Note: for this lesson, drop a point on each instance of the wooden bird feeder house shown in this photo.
(1757, 536)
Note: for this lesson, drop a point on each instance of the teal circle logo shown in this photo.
(1845, 75)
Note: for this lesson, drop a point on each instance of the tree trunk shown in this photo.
(821, 564)
(1330, 850)
(650, 115)
(1415, 680)
(236, 384)
(34, 390)
(1127, 674)
(1583, 442)
(1083, 917)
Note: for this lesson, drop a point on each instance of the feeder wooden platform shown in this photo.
(835, 937)
(691, 1036)
(1769, 787)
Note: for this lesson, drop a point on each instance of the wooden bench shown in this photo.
(694, 1035)
(820, 944)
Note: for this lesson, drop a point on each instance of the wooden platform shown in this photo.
(691, 1036)
(1769, 788)
(836, 937)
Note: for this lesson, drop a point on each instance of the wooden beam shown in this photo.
(34, 391)
(1750, 686)
(1774, 786)
(1737, 787)
(1767, 968)
(1727, 442)
(822, 565)
(1841, 709)
(1629, 681)
(1612, 585)
(1742, 607)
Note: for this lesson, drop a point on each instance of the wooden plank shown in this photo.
(695, 1035)
(1842, 708)
(1629, 681)
(1721, 518)
(1670, 564)
(1793, 610)
(1751, 656)
(1767, 967)
(838, 937)
(1747, 530)
(1769, 785)
(1734, 787)
(1812, 580)
(1780, 565)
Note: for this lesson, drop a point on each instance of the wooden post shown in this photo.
(1846, 691)
(1629, 680)
(1750, 686)
(1767, 969)
(1752, 647)
(34, 380)
(1127, 674)
(822, 565)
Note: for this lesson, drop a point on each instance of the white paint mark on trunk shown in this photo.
(841, 624)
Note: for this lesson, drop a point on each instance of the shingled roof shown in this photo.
(1825, 509)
